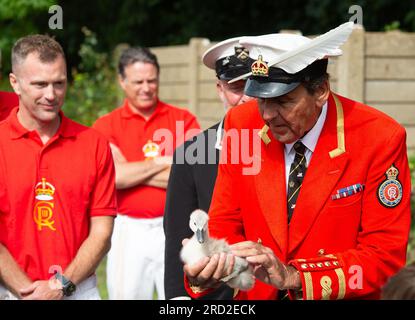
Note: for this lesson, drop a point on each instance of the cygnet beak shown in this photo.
(200, 235)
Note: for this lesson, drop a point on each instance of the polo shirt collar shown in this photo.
(66, 129)
(126, 111)
(17, 131)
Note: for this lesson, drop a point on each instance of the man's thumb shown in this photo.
(29, 289)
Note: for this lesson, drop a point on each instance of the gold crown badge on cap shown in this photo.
(259, 68)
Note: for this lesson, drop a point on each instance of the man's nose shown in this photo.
(268, 113)
(146, 86)
(50, 93)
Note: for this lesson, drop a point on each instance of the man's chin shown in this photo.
(48, 116)
(147, 103)
(283, 137)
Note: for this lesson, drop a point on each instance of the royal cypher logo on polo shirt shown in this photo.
(151, 149)
(43, 210)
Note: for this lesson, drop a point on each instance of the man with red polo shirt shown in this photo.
(57, 190)
(8, 100)
(143, 133)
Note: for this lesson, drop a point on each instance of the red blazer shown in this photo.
(343, 248)
(8, 100)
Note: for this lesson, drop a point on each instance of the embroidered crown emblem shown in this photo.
(44, 190)
(151, 149)
(392, 173)
(259, 68)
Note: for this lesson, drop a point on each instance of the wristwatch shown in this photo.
(68, 287)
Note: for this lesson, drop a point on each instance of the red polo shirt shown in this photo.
(131, 133)
(8, 100)
(48, 193)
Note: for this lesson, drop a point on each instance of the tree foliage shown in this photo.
(93, 91)
(165, 22)
(19, 18)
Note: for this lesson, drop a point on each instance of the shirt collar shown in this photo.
(219, 133)
(311, 138)
(126, 111)
(17, 130)
(66, 129)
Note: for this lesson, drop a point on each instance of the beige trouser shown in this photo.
(86, 290)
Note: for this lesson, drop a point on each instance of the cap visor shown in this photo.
(263, 89)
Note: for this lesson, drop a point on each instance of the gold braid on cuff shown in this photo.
(196, 289)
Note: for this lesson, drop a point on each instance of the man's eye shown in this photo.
(284, 103)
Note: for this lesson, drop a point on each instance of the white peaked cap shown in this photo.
(270, 46)
(220, 50)
(284, 60)
(228, 58)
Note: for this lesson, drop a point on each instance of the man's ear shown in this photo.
(121, 81)
(322, 93)
(219, 88)
(14, 83)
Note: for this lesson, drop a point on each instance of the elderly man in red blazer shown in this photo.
(328, 214)
(8, 100)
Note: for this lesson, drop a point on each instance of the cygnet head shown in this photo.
(198, 224)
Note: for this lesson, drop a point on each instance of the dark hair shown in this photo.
(47, 48)
(138, 54)
(313, 84)
(401, 286)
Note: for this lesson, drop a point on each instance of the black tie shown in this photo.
(295, 179)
